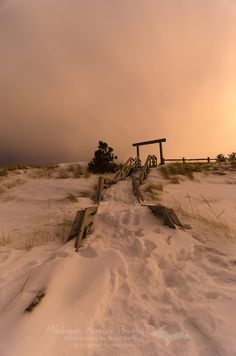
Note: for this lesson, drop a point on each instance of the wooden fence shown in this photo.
(184, 160)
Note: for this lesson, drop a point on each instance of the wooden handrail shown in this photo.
(151, 161)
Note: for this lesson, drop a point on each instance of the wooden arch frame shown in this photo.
(159, 141)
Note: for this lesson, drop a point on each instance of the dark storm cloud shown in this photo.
(73, 72)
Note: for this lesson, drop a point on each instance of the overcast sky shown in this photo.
(73, 72)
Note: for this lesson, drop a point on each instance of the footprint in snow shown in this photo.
(130, 217)
(139, 233)
(149, 248)
(136, 219)
(126, 217)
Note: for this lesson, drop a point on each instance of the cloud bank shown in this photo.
(74, 72)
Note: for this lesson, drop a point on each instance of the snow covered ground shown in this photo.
(135, 287)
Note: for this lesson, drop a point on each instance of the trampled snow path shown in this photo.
(136, 287)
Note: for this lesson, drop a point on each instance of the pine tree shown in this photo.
(103, 160)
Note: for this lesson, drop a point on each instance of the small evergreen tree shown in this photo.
(103, 160)
(221, 158)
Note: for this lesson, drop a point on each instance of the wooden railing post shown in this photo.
(138, 151)
(161, 154)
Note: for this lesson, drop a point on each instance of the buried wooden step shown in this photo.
(35, 301)
(168, 215)
(82, 225)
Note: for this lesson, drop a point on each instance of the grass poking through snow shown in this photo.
(152, 190)
(215, 222)
(72, 198)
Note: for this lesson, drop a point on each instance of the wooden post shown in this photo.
(100, 189)
(161, 154)
(138, 151)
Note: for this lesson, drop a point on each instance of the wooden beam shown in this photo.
(149, 142)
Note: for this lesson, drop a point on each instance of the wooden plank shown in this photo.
(35, 301)
(85, 225)
(167, 218)
(76, 225)
(168, 215)
(82, 225)
(174, 218)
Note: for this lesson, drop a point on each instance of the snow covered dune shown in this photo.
(135, 287)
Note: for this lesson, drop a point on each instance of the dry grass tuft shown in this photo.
(3, 172)
(76, 170)
(184, 169)
(153, 190)
(153, 187)
(62, 174)
(87, 174)
(71, 197)
(165, 172)
(63, 229)
(41, 237)
(5, 239)
(214, 223)
(42, 172)
(233, 164)
(174, 179)
(13, 183)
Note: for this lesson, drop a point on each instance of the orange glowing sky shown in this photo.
(77, 71)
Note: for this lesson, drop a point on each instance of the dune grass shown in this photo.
(76, 170)
(214, 222)
(3, 172)
(5, 239)
(171, 170)
(71, 197)
(174, 179)
(184, 169)
(152, 190)
(38, 237)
